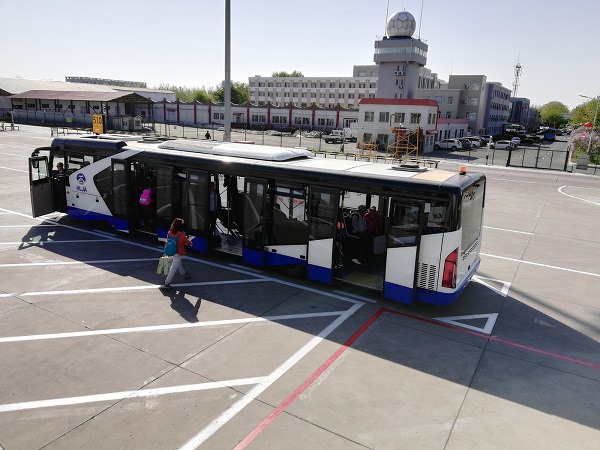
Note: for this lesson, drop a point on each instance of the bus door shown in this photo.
(164, 200)
(255, 199)
(195, 207)
(121, 194)
(407, 218)
(323, 206)
(40, 186)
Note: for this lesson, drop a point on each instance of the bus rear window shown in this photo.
(471, 214)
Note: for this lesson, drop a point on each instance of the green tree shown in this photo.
(239, 92)
(283, 73)
(188, 94)
(585, 113)
(552, 114)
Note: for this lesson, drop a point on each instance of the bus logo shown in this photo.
(81, 178)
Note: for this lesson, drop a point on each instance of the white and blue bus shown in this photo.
(279, 207)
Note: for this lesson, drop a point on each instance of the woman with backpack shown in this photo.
(175, 246)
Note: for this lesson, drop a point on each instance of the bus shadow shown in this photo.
(530, 358)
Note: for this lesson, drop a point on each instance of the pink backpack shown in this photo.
(146, 197)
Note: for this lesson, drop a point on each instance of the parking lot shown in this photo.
(95, 355)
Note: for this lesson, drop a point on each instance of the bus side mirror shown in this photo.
(35, 164)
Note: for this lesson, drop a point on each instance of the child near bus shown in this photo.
(176, 233)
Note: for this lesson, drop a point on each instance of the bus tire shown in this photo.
(292, 270)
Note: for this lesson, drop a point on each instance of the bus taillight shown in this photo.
(449, 278)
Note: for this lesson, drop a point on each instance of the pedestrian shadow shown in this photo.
(186, 309)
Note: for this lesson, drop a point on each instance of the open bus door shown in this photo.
(255, 198)
(407, 219)
(195, 208)
(40, 186)
(121, 197)
(323, 213)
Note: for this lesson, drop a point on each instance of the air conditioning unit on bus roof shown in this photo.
(399, 73)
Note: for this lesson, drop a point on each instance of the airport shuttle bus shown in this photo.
(279, 207)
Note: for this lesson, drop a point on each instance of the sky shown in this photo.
(181, 43)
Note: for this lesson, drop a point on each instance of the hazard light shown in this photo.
(449, 277)
(463, 170)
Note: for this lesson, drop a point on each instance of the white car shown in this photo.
(449, 144)
(476, 139)
(516, 141)
(502, 145)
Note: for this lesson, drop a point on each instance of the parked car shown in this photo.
(449, 144)
(476, 139)
(516, 141)
(502, 145)
(485, 140)
(467, 143)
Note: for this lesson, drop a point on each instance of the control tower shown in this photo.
(399, 57)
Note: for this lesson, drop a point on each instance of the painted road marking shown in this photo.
(127, 288)
(15, 170)
(177, 326)
(456, 320)
(311, 379)
(505, 284)
(560, 189)
(118, 396)
(504, 229)
(69, 263)
(541, 265)
(227, 415)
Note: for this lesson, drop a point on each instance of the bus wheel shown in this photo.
(292, 270)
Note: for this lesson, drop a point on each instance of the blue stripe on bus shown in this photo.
(318, 273)
(252, 256)
(276, 259)
(403, 294)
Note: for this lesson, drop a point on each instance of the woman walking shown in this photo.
(177, 237)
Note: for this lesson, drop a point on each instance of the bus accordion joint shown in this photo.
(462, 170)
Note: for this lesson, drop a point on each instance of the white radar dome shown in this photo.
(401, 24)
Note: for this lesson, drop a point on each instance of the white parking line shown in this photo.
(69, 263)
(118, 396)
(541, 265)
(73, 241)
(230, 413)
(507, 230)
(177, 326)
(126, 288)
(14, 170)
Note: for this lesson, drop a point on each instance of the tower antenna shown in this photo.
(421, 18)
(518, 69)
(387, 11)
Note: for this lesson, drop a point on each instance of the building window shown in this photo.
(351, 85)
(399, 117)
(450, 100)
(369, 116)
(332, 85)
(322, 85)
(384, 117)
(342, 85)
(448, 115)
(439, 99)
(415, 118)
(372, 85)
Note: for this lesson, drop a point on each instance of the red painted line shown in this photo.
(310, 380)
(494, 339)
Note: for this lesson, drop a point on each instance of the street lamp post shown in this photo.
(595, 117)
